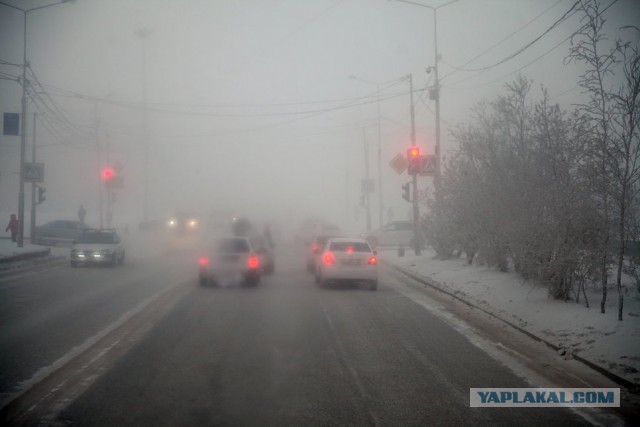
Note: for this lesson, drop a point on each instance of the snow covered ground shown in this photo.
(598, 338)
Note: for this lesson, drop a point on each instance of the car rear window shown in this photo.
(232, 246)
(344, 246)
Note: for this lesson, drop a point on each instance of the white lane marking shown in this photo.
(44, 372)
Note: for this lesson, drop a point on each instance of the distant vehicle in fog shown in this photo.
(265, 253)
(59, 231)
(394, 233)
(317, 245)
(184, 222)
(229, 260)
(346, 259)
(97, 247)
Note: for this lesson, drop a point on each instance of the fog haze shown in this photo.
(249, 105)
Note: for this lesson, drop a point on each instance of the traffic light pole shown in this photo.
(367, 193)
(416, 211)
(33, 184)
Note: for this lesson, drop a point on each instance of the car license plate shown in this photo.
(350, 262)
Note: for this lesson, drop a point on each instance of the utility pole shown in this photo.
(380, 199)
(99, 161)
(33, 184)
(436, 95)
(416, 210)
(366, 189)
(143, 33)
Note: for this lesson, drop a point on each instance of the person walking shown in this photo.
(82, 213)
(13, 227)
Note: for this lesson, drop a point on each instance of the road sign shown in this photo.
(33, 172)
(11, 124)
(399, 164)
(428, 165)
(368, 186)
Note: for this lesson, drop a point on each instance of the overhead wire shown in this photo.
(490, 48)
(530, 62)
(564, 17)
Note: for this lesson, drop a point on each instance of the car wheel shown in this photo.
(203, 280)
(373, 285)
(114, 261)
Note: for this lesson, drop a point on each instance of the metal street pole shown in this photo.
(99, 160)
(380, 192)
(143, 33)
(23, 124)
(367, 193)
(33, 184)
(436, 90)
(416, 209)
(380, 197)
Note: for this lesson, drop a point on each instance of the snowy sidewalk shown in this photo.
(598, 338)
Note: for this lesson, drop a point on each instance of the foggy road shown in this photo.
(45, 315)
(289, 353)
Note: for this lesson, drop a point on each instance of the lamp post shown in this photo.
(436, 89)
(23, 123)
(380, 195)
(143, 33)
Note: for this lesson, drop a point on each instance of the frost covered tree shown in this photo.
(612, 83)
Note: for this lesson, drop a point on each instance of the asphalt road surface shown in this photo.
(283, 353)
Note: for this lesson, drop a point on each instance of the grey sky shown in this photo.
(228, 83)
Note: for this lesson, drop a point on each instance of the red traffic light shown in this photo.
(413, 153)
(108, 173)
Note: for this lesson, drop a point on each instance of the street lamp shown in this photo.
(23, 124)
(436, 89)
(380, 196)
(143, 33)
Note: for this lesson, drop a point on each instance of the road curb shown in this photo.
(25, 256)
(40, 263)
(427, 281)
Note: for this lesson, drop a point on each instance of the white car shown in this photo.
(395, 233)
(97, 247)
(347, 259)
(230, 260)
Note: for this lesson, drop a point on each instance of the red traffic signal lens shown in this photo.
(413, 152)
(108, 173)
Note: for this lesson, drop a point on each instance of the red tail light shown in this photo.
(253, 262)
(315, 249)
(328, 258)
(373, 260)
(203, 261)
(350, 249)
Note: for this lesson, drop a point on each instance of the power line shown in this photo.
(534, 60)
(499, 43)
(565, 16)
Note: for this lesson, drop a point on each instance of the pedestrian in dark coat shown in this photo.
(13, 227)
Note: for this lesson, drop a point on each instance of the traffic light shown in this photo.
(41, 194)
(406, 192)
(413, 157)
(108, 174)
